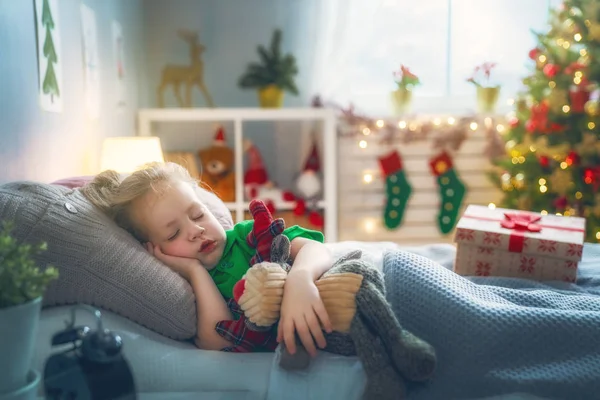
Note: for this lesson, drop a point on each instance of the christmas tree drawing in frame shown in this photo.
(49, 57)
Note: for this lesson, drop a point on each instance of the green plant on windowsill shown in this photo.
(21, 280)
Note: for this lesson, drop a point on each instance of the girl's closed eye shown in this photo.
(198, 217)
(173, 236)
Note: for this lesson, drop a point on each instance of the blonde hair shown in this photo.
(114, 195)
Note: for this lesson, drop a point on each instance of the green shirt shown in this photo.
(237, 254)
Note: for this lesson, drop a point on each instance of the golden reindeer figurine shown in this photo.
(189, 75)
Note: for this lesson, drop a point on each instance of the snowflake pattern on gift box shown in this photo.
(492, 238)
(570, 279)
(547, 246)
(574, 250)
(465, 235)
(485, 250)
(571, 264)
(527, 264)
(482, 268)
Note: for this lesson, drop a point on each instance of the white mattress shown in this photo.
(168, 369)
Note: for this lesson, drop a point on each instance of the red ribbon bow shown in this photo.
(519, 222)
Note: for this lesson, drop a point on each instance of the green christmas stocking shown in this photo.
(452, 191)
(397, 189)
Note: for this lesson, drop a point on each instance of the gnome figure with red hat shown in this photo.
(218, 167)
(257, 184)
(309, 186)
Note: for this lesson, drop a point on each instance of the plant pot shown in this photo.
(270, 97)
(487, 98)
(401, 101)
(18, 333)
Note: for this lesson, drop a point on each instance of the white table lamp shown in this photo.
(126, 154)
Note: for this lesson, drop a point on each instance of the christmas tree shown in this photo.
(552, 162)
(50, 85)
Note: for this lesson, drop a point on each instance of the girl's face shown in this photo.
(176, 221)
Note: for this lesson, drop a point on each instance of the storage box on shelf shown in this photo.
(238, 116)
(509, 243)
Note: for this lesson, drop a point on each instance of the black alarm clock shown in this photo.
(93, 368)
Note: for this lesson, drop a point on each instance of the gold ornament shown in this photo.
(591, 108)
(522, 105)
(524, 203)
(558, 152)
(589, 145)
(522, 148)
(560, 180)
(594, 31)
(591, 10)
(557, 99)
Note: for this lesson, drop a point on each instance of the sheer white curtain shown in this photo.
(351, 47)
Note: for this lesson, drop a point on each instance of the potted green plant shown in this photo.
(272, 75)
(22, 285)
(406, 81)
(487, 93)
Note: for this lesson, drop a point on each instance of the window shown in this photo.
(439, 40)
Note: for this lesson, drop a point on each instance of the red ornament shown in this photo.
(530, 126)
(539, 118)
(513, 122)
(574, 66)
(561, 203)
(572, 158)
(578, 99)
(550, 70)
(544, 161)
(533, 53)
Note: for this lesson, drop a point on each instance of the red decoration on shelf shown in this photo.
(544, 162)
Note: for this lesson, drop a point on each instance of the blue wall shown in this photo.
(44, 146)
(231, 31)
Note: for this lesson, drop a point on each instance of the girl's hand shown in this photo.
(302, 312)
(183, 266)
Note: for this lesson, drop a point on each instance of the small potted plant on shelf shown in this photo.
(487, 93)
(402, 96)
(22, 285)
(272, 75)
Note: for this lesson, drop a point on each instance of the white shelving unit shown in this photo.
(238, 115)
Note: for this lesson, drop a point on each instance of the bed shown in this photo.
(496, 338)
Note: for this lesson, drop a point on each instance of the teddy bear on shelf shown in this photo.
(353, 294)
(218, 167)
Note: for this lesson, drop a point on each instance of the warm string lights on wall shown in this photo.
(443, 133)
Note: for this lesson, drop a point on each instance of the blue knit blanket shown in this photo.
(496, 336)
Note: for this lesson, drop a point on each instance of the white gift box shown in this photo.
(511, 243)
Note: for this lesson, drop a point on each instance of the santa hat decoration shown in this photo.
(313, 162)
(256, 174)
(220, 137)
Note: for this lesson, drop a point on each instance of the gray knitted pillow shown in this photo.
(99, 263)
